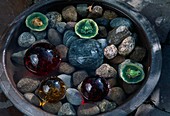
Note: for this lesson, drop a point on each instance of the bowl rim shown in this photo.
(126, 108)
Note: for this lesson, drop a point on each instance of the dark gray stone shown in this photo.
(102, 21)
(78, 77)
(116, 22)
(19, 57)
(130, 88)
(60, 26)
(69, 13)
(117, 35)
(106, 106)
(96, 12)
(32, 99)
(27, 85)
(112, 82)
(88, 110)
(52, 107)
(117, 60)
(138, 54)
(63, 50)
(67, 110)
(102, 31)
(103, 42)
(109, 14)
(66, 68)
(26, 39)
(53, 18)
(70, 25)
(117, 95)
(106, 71)
(54, 37)
(39, 35)
(82, 9)
(66, 79)
(86, 53)
(74, 96)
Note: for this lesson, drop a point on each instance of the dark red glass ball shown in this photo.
(42, 58)
(94, 88)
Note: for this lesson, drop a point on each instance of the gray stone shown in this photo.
(106, 106)
(117, 35)
(96, 12)
(130, 88)
(39, 35)
(117, 22)
(27, 85)
(102, 31)
(66, 68)
(69, 37)
(54, 37)
(117, 95)
(102, 21)
(69, 13)
(74, 96)
(79, 76)
(66, 110)
(112, 82)
(60, 26)
(138, 54)
(53, 18)
(110, 51)
(106, 71)
(126, 47)
(52, 107)
(32, 99)
(19, 57)
(82, 9)
(88, 109)
(103, 42)
(70, 25)
(86, 53)
(117, 59)
(26, 39)
(109, 14)
(63, 50)
(66, 79)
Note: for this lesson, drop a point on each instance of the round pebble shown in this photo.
(110, 51)
(79, 76)
(103, 42)
(88, 109)
(82, 9)
(52, 107)
(27, 85)
(138, 54)
(130, 88)
(117, 95)
(66, 79)
(106, 106)
(69, 13)
(66, 68)
(19, 57)
(67, 110)
(102, 31)
(74, 96)
(106, 71)
(126, 47)
(39, 35)
(60, 26)
(53, 18)
(96, 12)
(116, 22)
(86, 53)
(109, 14)
(54, 37)
(112, 82)
(70, 25)
(117, 60)
(102, 22)
(69, 37)
(26, 39)
(117, 35)
(63, 50)
(32, 99)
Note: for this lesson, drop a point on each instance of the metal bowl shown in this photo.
(146, 33)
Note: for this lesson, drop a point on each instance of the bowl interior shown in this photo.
(16, 72)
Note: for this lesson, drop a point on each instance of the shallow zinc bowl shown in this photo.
(143, 27)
